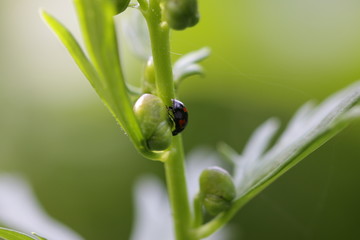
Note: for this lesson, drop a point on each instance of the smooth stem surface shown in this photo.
(176, 185)
(160, 46)
(198, 214)
(174, 164)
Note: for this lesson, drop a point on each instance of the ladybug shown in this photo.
(179, 115)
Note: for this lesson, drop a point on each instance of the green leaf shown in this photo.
(73, 47)
(103, 68)
(187, 65)
(310, 128)
(96, 19)
(8, 234)
(260, 140)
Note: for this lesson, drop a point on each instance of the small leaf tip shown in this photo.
(44, 15)
(42, 12)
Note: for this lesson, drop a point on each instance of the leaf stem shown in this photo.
(198, 214)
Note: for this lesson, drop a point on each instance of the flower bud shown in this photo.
(181, 14)
(152, 115)
(121, 5)
(217, 190)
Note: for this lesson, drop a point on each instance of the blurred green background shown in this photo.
(269, 57)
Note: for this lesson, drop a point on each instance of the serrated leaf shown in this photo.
(187, 65)
(8, 234)
(310, 128)
(260, 140)
(255, 147)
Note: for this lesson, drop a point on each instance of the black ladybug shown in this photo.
(179, 115)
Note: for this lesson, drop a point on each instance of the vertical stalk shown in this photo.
(174, 164)
(160, 46)
(176, 185)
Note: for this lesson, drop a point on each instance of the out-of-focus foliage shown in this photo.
(151, 200)
(8, 234)
(268, 58)
(20, 209)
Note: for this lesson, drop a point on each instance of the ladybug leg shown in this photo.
(171, 115)
(172, 118)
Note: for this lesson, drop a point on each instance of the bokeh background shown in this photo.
(268, 58)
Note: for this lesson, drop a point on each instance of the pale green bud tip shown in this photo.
(149, 77)
(217, 189)
(150, 70)
(153, 118)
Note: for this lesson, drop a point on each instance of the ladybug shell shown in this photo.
(180, 116)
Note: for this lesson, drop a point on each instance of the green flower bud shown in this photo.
(121, 5)
(149, 77)
(154, 122)
(181, 14)
(217, 190)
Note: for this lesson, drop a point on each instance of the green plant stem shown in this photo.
(198, 214)
(174, 164)
(177, 190)
(160, 46)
